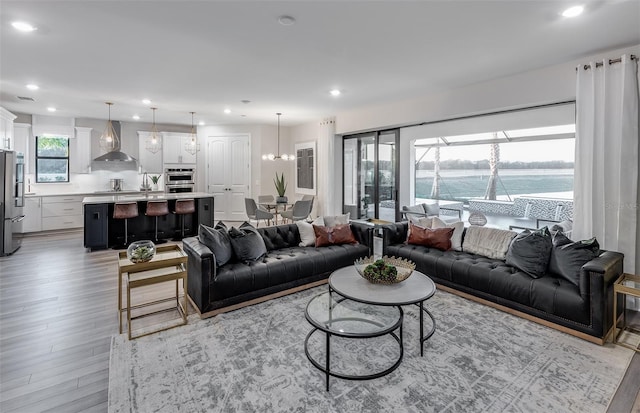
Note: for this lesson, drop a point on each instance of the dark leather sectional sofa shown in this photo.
(584, 311)
(286, 268)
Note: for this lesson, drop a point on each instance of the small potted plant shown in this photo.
(281, 188)
(154, 180)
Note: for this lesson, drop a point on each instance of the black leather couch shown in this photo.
(286, 268)
(585, 311)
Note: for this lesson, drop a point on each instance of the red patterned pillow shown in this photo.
(339, 234)
(439, 238)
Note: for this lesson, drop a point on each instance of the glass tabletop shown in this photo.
(335, 314)
(631, 281)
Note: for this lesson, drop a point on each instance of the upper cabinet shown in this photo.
(81, 151)
(6, 129)
(173, 148)
(24, 143)
(149, 161)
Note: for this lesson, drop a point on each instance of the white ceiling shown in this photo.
(205, 56)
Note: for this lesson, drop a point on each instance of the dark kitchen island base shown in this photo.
(101, 231)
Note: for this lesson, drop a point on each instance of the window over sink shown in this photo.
(52, 158)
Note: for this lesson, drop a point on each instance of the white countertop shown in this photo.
(90, 193)
(110, 199)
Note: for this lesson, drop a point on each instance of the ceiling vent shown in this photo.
(26, 98)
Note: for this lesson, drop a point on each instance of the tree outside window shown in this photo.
(52, 158)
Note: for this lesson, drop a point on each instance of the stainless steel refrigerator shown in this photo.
(11, 200)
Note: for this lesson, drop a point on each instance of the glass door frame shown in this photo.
(376, 174)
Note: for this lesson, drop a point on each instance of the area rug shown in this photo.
(253, 360)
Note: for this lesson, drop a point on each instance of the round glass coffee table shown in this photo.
(337, 316)
(414, 290)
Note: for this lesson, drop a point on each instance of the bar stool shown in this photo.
(182, 208)
(157, 209)
(125, 210)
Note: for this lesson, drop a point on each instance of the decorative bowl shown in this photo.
(141, 251)
(385, 270)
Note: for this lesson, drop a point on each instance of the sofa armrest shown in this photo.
(201, 269)
(596, 284)
(363, 233)
(393, 234)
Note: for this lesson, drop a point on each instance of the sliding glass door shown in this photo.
(371, 175)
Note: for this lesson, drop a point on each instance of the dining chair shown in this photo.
(300, 211)
(257, 212)
(267, 199)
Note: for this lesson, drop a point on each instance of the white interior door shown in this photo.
(229, 175)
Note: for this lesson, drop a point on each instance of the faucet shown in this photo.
(145, 184)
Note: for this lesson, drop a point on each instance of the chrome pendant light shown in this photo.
(284, 156)
(109, 140)
(153, 143)
(192, 146)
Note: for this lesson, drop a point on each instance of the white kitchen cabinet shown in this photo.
(80, 151)
(32, 214)
(149, 162)
(62, 212)
(6, 129)
(173, 148)
(23, 143)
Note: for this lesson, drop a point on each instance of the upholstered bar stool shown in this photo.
(125, 210)
(157, 209)
(182, 208)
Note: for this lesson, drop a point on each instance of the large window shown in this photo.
(52, 158)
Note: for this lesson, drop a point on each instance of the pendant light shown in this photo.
(109, 140)
(284, 156)
(153, 143)
(192, 146)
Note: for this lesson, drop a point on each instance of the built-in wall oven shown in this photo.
(179, 180)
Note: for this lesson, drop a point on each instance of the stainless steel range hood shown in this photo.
(115, 159)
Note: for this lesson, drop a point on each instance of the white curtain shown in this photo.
(326, 167)
(606, 193)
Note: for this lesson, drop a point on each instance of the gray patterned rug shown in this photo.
(252, 360)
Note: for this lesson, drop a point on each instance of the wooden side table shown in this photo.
(169, 264)
(627, 284)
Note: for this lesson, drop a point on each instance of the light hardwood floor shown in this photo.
(57, 315)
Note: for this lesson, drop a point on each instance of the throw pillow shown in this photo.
(490, 242)
(217, 240)
(419, 209)
(423, 222)
(431, 209)
(568, 257)
(458, 230)
(247, 243)
(340, 234)
(530, 251)
(332, 221)
(435, 238)
(307, 234)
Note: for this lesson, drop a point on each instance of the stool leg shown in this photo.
(156, 239)
(126, 231)
(182, 225)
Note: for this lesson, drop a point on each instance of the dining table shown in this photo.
(276, 207)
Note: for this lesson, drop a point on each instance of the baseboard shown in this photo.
(579, 334)
(259, 299)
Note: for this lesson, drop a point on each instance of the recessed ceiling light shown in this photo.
(51, 109)
(227, 111)
(201, 123)
(33, 86)
(286, 20)
(23, 26)
(146, 101)
(335, 92)
(245, 101)
(136, 117)
(573, 11)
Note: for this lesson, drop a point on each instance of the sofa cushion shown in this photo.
(247, 243)
(414, 208)
(280, 236)
(530, 251)
(431, 208)
(567, 257)
(458, 231)
(336, 235)
(490, 242)
(436, 238)
(217, 240)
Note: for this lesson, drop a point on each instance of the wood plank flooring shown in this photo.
(57, 315)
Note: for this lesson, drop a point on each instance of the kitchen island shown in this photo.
(102, 231)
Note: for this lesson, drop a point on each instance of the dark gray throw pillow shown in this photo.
(567, 257)
(217, 240)
(247, 243)
(530, 251)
